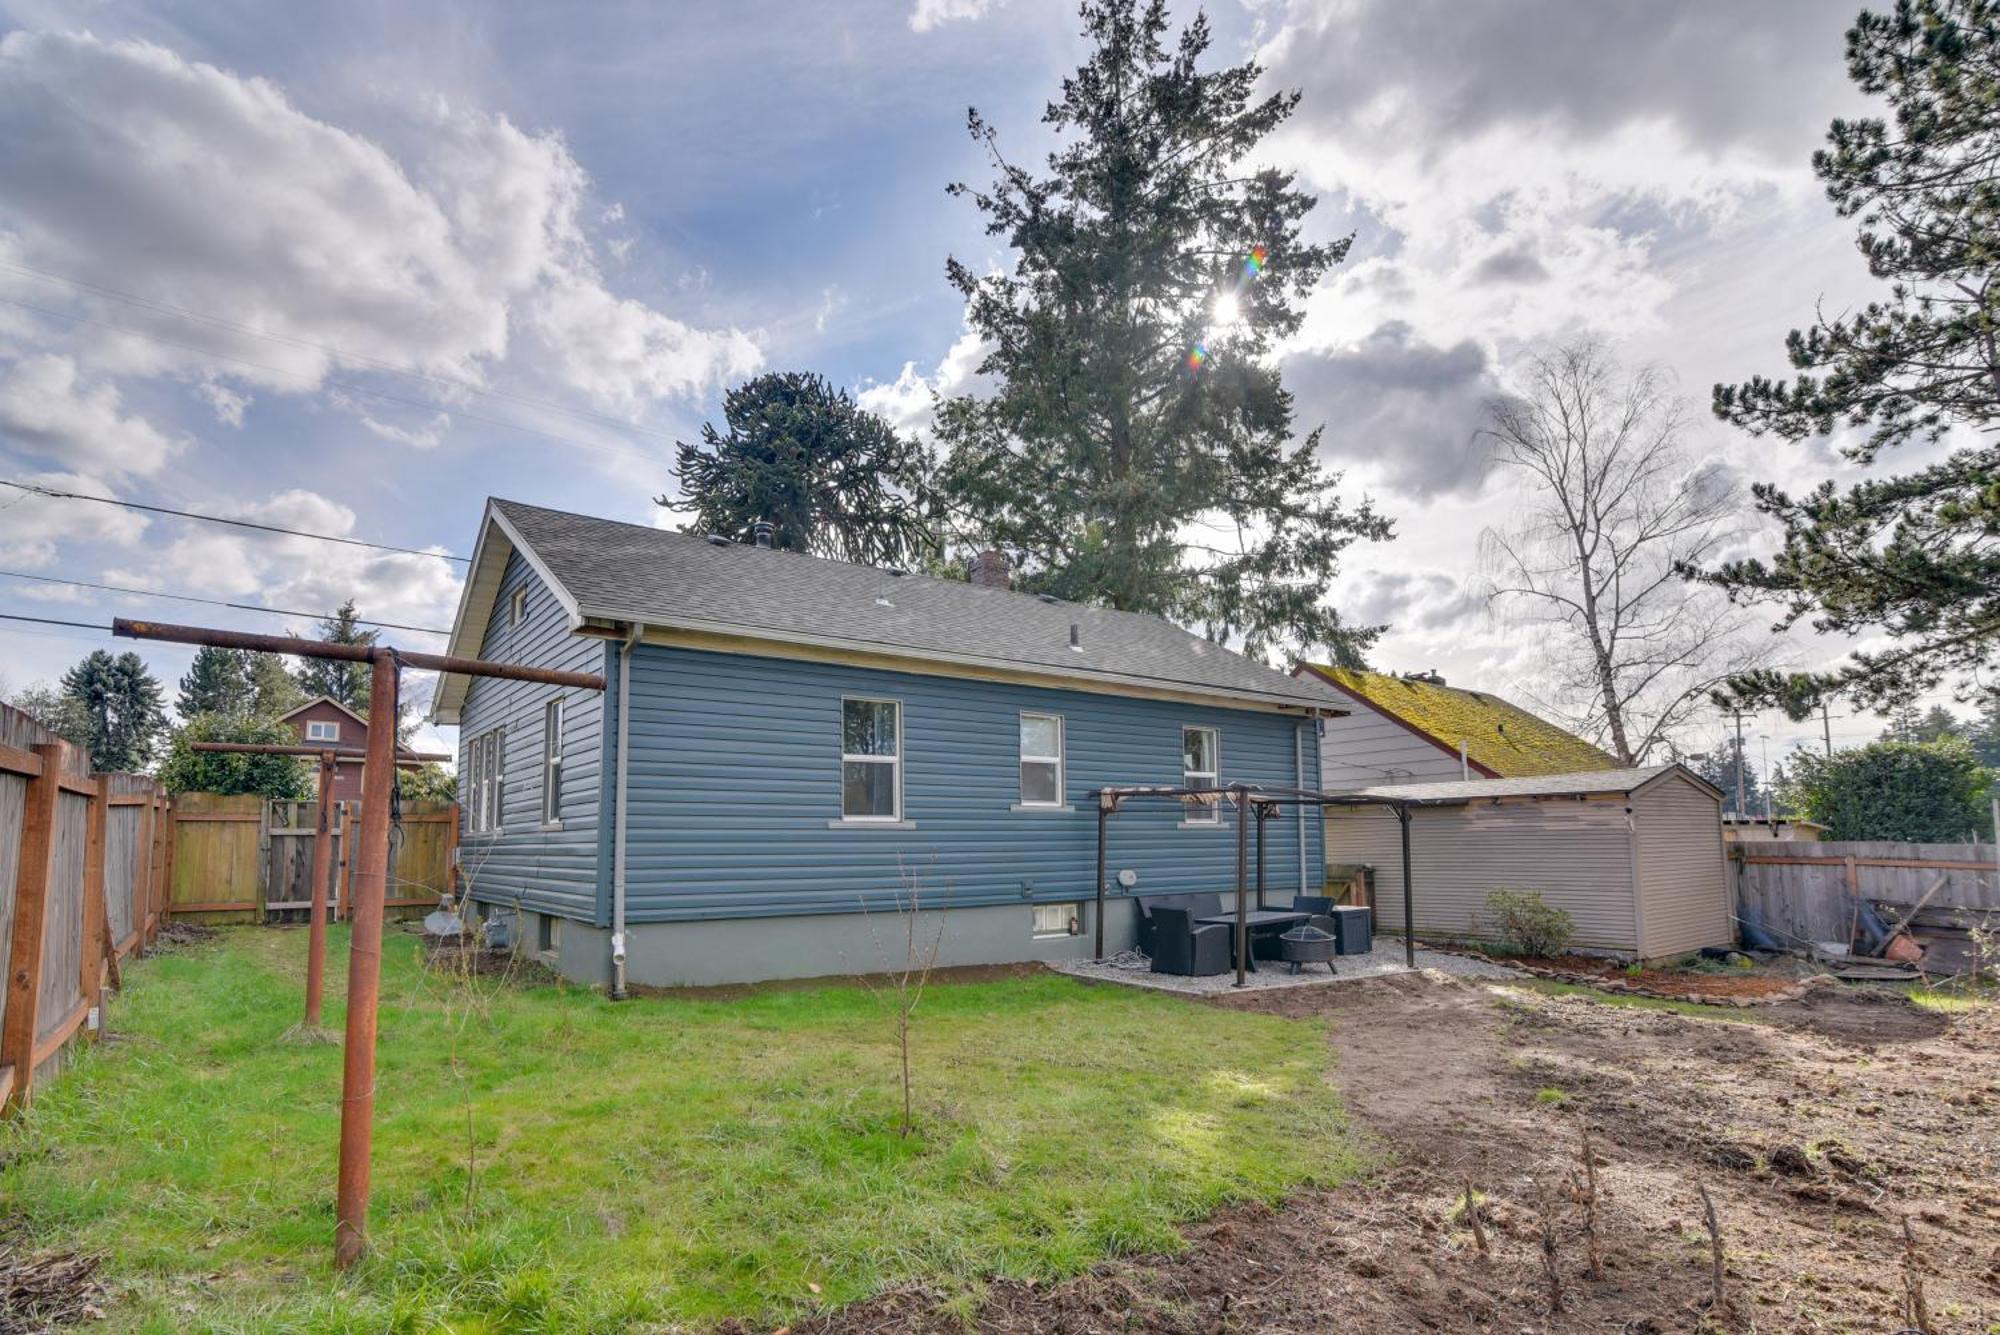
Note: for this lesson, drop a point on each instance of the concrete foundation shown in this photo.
(751, 950)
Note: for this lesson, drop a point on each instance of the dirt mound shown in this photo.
(184, 934)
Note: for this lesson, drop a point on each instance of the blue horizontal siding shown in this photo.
(563, 871)
(735, 772)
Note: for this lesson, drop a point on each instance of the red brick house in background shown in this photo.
(327, 722)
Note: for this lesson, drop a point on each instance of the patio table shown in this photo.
(1255, 921)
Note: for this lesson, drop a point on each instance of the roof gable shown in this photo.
(291, 714)
(609, 573)
(1501, 739)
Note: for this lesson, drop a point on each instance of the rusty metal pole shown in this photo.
(1242, 882)
(364, 967)
(322, 872)
(1100, 875)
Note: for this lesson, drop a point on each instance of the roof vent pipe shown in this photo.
(1076, 636)
(760, 533)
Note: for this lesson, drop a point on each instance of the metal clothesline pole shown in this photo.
(371, 873)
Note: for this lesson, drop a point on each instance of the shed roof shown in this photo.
(1501, 739)
(1588, 783)
(609, 571)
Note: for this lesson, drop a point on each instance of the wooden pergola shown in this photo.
(1263, 803)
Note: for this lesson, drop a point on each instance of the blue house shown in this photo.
(790, 750)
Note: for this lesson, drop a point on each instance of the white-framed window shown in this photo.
(1041, 760)
(1201, 767)
(485, 781)
(871, 760)
(552, 760)
(1058, 920)
(517, 607)
(322, 730)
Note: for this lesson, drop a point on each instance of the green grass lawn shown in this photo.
(546, 1159)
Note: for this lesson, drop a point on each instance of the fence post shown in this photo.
(142, 875)
(90, 982)
(31, 900)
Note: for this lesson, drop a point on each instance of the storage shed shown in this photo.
(1634, 856)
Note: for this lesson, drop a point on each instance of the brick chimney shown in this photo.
(990, 568)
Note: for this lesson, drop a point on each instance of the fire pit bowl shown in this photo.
(1307, 945)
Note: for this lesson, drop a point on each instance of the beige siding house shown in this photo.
(1634, 856)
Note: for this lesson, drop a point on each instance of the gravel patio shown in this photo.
(1134, 970)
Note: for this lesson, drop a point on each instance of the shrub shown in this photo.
(1527, 924)
(1927, 792)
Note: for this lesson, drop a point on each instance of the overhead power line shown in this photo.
(56, 494)
(215, 602)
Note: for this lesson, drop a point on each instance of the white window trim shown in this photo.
(517, 607)
(552, 762)
(486, 776)
(1062, 769)
(317, 730)
(1074, 910)
(1213, 810)
(895, 820)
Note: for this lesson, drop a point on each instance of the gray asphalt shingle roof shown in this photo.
(1543, 785)
(629, 572)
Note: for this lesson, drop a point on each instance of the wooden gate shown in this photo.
(248, 859)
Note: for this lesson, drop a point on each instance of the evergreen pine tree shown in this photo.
(1138, 447)
(217, 682)
(336, 679)
(1912, 555)
(120, 703)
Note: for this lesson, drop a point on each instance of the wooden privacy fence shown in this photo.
(1806, 892)
(83, 860)
(248, 859)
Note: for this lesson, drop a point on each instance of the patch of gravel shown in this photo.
(1134, 970)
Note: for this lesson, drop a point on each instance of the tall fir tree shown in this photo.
(272, 690)
(338, 680)
(119, 699)
(1914, 555)
(1138, 448)
(1986, 730)
(217, 682)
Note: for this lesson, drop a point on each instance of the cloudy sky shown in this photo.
(351, 268)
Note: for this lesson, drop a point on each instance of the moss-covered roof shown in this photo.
(1504, 740)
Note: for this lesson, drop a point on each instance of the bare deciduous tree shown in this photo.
(1615, 506)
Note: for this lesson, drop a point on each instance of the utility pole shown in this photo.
(1740, 812)
(322, 868)
(1764, 741)
(371, 876)
(1826, 726)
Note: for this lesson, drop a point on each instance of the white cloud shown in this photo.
(227, 404)
(906, 403)
(930, 14)
(297, 572)
(452, 244)
(46, 410)
(32, 527)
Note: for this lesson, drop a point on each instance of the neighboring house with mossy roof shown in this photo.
(1411, 728)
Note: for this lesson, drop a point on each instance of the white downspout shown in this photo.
(618, 992)
(1464, 762)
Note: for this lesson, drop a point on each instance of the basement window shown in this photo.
(1052, 920)
(548, 935)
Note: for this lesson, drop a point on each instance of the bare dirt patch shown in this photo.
(1817, 1129)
